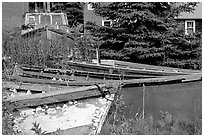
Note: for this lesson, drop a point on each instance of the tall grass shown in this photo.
(139, 124)
(39, 51)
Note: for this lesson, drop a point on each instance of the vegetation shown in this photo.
(37, 129)
(146, 32)
(7, 119)
(34, 51)
(169, 124)
(74, 11)
(142, 32)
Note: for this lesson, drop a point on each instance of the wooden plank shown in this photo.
(151, 67)
(193, 77)
(51, 73)
(129, 71)
(164, 79)
(104, 115)
(53, 97)
(54, 82)
(32, 87)
(88, 67)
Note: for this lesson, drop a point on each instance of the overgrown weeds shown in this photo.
(39, 51)
(169, 124)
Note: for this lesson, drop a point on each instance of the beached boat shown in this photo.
(52, 26)
(60, 111)
(56, 102)
(123, 68)
(48, 26)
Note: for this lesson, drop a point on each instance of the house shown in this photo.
(12, 14)
(89, 15)
(191, 22)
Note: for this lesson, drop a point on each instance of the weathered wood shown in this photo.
(104, 115)
(32, 87)
(148, 67)
(66, 74)
(54, 82)
(160, 80)
(54, 97)
(107, 68)
(193, 77)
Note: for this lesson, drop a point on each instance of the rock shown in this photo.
(51, 111)
(75, 102)
(58, 107)
(54, 79)
(12, 95)
(64, 106)
(38, 108)
(28, 92)
(60, 79)
(70, 102)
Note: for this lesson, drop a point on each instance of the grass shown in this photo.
(139, 124)
(39, 51)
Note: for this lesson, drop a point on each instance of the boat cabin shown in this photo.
(34, 21)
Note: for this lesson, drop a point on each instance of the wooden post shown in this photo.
(36, 10)
(48, 6)
(143, 100)
(97, 55)
(44, 6)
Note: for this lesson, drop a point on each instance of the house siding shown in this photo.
(181, 24)
(199, 25)
(196, 15)
(89, 15)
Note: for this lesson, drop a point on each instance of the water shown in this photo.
(182, 99)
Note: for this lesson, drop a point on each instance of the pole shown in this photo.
(48, 6)
(36, 10)
(143, 100)
(97, 55)
(44, 6)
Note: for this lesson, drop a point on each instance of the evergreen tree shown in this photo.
(146, 32)
(74, 11)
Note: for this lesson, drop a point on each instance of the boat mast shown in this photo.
(46, 6)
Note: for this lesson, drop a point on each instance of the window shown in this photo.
(90, 6)
(57, 19)
(46, 20)
(32, 20)
(189, 27)
(107, 23)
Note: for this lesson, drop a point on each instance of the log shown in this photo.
(32, 87)
(54, 97)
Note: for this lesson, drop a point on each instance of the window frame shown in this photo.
(90, 6)
(103, 24)
(186, 27)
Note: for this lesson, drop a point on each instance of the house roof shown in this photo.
(197, 14)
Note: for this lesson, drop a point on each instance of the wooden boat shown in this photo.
(69, 74)
(47, 26)
(62, 108)
(127, 70)
(41, 75)
(87, 99)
